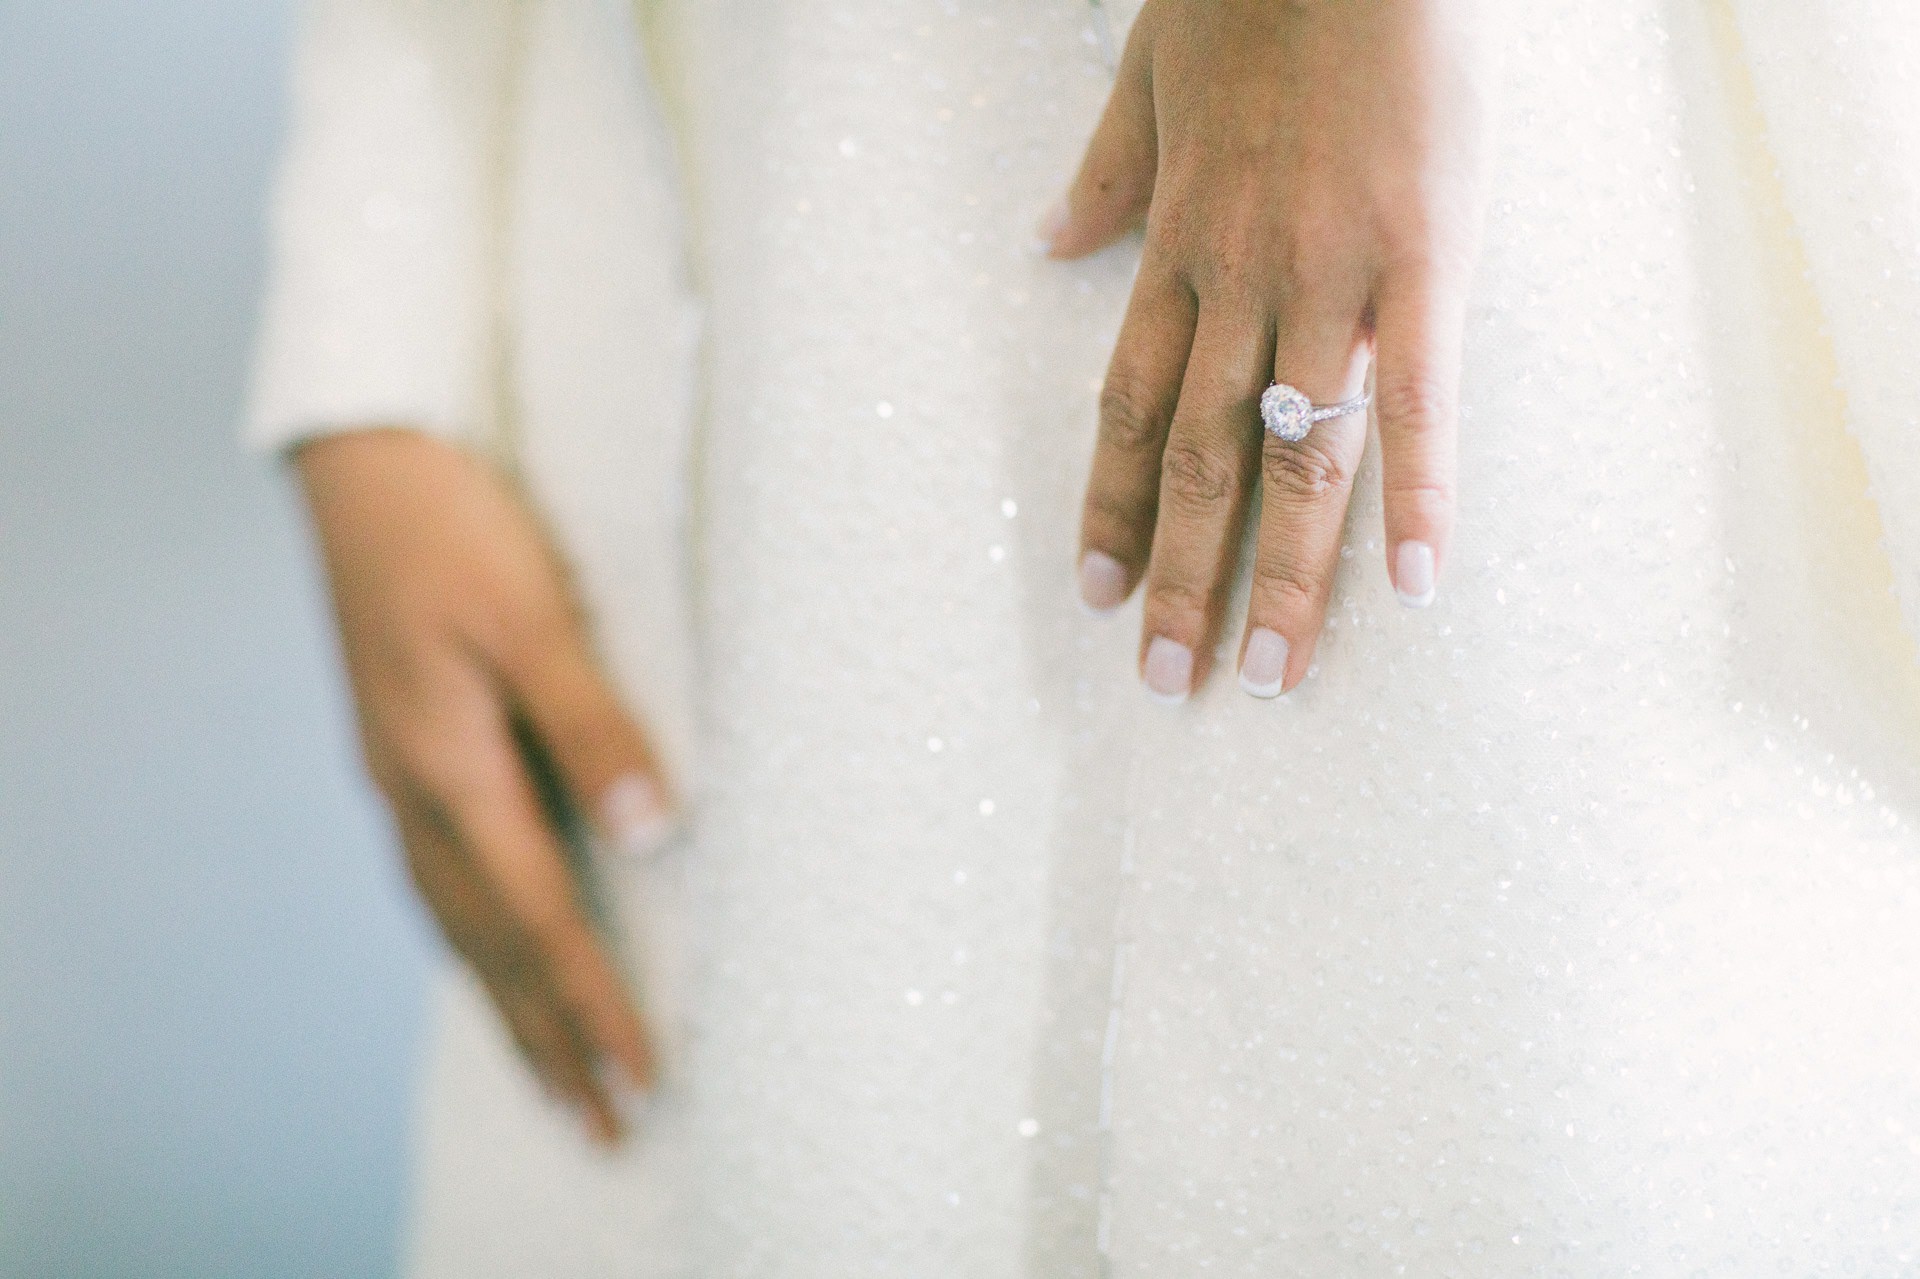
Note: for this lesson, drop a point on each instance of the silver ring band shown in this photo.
(1289, 415)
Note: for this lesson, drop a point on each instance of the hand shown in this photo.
(1311, 176)
(462, 641)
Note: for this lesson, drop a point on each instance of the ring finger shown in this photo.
(1305, 487)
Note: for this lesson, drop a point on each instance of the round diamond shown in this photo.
(1286, 412)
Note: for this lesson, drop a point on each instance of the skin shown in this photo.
(456, 622)
(1309, 176)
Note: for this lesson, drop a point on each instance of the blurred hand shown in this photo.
(1311, 176)
(460, 633)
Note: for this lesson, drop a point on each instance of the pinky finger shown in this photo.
(1419, 318)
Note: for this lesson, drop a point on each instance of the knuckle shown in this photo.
(1118, 523)
(1244, 261)
(1426, 492)
(1323, 227)
(1315, 273)
(1413, 404)
(1178, 597)
(1307, 264)
(1238, 268)
(1305, 472)
(1288, 586)
(1131, 418)
(1169, 223)
(1194, 475)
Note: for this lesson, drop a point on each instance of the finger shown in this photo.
(1205, 480)
(495, 813)
(1419, 320)
(474, 924)
(566, 1059)
(1305, 486)
(1137, 404)
(1114, 185)
(603, 755)
(509, 839)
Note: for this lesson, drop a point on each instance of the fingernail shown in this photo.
(1169, 669)
(631, 1098)
(573, 1106)
(604, 1132)
(635, 815)
(1413, 574)
(1103, 582)
(1264, 668)
(1051, 224)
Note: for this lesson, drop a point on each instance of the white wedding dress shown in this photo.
(1569, 927)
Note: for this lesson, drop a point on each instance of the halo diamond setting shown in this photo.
(1289, 415)
(1286, 413)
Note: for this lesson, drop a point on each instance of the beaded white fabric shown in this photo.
(1569, 927)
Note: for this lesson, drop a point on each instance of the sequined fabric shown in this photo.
(1567, 927)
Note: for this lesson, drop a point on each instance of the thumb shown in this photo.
(1110, 194)
(603, 756)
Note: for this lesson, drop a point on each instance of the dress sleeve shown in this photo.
(385, 252)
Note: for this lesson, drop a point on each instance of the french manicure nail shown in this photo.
(634, 813)
(1169, 669)
(1264, 668)
(1103, 582)
(1413, 574)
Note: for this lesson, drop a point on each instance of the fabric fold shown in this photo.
(1838, 83)
(601, 345)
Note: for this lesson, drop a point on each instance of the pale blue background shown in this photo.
(211, 976)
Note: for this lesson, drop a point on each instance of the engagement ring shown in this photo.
(1290, 415)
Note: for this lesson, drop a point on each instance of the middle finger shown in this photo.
(1205, 479)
